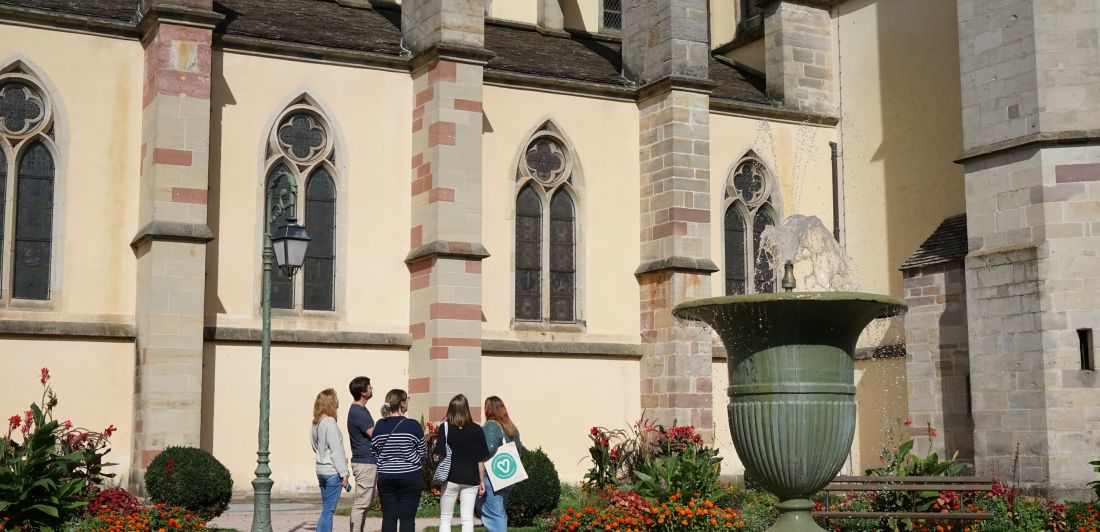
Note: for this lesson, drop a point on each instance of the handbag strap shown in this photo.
(388, 436)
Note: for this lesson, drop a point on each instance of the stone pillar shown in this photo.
(447, 38)
(665, 48)
(798, 52)
(551, 17)
(1030, 74)
(171, 244)
(938, 360)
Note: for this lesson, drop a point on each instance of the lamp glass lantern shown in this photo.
(289, 242)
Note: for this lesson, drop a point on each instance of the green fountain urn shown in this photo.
(792, 406)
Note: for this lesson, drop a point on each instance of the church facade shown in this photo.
(508, 197)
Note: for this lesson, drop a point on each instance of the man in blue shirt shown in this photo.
(364, 467)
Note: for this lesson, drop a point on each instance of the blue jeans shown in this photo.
(493, 508)
(330, 494)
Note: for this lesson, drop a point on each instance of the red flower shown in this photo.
(67, 424)
(45, 375)
(109, 430)
(14, 422)
(595, 431)
(933, 432)
(908, 421)
(28, 417)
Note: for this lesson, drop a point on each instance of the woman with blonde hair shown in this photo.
(399, 447)
(499, 429)
(331, 463)
(466, 442)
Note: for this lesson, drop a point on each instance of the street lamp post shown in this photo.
(287, 246)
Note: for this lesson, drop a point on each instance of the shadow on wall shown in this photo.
(921, 110)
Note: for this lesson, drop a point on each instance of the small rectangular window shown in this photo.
(612, 17)
(1084, 341)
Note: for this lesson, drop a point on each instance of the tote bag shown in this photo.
(505, 468)
(444, 468)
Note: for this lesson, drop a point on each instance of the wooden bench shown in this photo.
(961, 485)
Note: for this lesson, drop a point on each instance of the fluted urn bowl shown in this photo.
(792, 389)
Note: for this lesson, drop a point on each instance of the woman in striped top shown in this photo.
(398, 445)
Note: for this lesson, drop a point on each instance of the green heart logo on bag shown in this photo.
(504, 466)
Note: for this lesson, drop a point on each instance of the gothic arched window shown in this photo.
(27, 173)
(749, 210)
(546, 253)
(301, 157)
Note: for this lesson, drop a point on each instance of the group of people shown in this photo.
(388, 456)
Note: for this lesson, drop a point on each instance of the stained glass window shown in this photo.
(735, 251)
(528, 255)
(563, 262)
(764, 280)
(282, 289)
(33, 223)
(318, 270)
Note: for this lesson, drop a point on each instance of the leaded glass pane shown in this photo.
(563, 269)
(3, 205)
(20, 108)
(765, 275)
(302, 136)
(613, 14)
(735, 251)
(748, 179)
(318, 270)
(282, 289)
(528, 255)
(33, 223)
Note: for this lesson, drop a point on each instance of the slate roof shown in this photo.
(519, 49)
(947, 243)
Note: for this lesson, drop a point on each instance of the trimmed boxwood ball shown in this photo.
(191, 478)
(539, 494)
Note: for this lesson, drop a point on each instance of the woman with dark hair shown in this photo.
(499, 429)
(399, 447)
(329, 459)
(468, 454)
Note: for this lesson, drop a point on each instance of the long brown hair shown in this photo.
(496, 411)
(324, 405)
(458, 412)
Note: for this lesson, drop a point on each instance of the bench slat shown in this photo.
(905, 487)
(955, 516)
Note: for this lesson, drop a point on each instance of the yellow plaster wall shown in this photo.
(604, 135)
(881, 405)
(370, 111)
(750, 55)
(797, 154)
(723, 21)
(231, 394)
(555, 400)
(525, 11)
(723, 438)
(581, 15)
(96, 86)
(93, 381)
(900, 130)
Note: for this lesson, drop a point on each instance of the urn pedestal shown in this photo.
(792, 406)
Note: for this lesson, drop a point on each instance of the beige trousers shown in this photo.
(366, 476)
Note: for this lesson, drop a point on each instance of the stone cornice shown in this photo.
(173, 232)
(1035, 140)
(180, 16)
(451, 52)
(679, 264)
(674, 82)
(562, 348)
(503, 78)
(443, 248)
(67, 329)
(37, 18)
(309, 52)
(285, 336)
(756, 110)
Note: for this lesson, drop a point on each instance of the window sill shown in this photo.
(549, 326)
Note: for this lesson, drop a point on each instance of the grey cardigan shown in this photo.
(328, 448)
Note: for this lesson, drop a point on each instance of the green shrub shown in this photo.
(191, 478)
(1095, 485)
(691, 473)
(539, 494)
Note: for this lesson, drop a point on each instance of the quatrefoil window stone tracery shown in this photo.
(546, 160)
(302, 137)
(749, 182)
(21, 109)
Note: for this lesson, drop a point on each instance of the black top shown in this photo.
(359, 422)
(467, 450)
